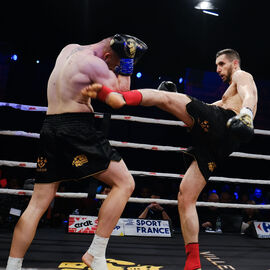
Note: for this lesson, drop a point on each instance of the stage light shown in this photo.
(139, 75)
(204, 5)
(258, 193)
(37, 61)
(14, 57)
(181, 80)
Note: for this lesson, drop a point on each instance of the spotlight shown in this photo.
(37, 61)
(139, 75)
(181, 80)
(204, 5)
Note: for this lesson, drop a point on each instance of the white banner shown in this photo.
(262, 229)
(125, 226)
(147, 227)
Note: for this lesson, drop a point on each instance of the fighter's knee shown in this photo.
(184, 200)
(130, 185)
(127, 184)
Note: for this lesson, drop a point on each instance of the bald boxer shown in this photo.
(217, 130)
(72, 149)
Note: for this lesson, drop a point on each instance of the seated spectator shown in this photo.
(227, 197)
(250, 215)
(208, 215)
(154, 211)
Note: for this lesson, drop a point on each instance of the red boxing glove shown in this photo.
(132, 98)
(193, 257)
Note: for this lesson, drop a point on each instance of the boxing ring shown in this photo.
(218, 251)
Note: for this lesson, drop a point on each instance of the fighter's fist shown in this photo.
(130, 49)
(241, 125)
(167, 86)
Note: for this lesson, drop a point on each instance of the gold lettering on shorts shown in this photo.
(41, 163)
(79, 160)
(211, 166)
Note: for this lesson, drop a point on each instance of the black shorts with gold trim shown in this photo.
(212, 141)
(71, 148)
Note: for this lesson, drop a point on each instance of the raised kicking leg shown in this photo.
(174, 103)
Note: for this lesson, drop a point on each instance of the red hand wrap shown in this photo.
(193, 257)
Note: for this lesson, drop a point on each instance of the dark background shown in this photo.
(182, 42)
(178, 35)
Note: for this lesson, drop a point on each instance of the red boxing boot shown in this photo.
(193, 257)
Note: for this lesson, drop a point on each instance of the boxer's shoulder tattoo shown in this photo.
(74, 51)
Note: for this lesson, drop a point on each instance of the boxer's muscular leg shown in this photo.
(118, 177)
(174, 103)
(191, 186)
(25, 229)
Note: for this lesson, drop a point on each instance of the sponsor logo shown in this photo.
(79, 160)
(216, 261)
(264, 227)
(131, 47)
(211, 166)
(41, 163)
(112, 265)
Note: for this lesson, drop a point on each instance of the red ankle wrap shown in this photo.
(103, 93)
(132, 98)
(193, 257)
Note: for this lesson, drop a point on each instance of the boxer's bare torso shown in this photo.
(76, 67)
(232, 99)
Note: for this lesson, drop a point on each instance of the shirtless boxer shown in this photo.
(217, 130)
(71, 148)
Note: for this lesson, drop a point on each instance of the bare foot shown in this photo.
(91, 90)
(87, 259)
(95, 263)
(113, 99)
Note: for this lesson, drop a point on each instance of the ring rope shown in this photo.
(139, 145)
(157, 174)
(137, 200)
(117, 117)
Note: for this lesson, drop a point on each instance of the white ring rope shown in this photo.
(157, 174)
(117, 117)
(138, 145)
(137, 200)
(138, 173)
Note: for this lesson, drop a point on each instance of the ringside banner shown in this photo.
(125, 226)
